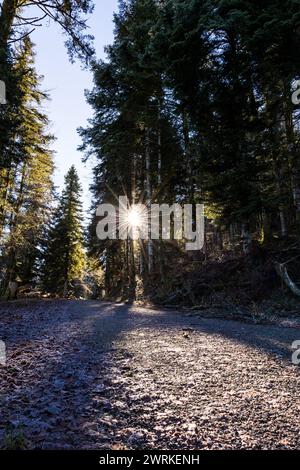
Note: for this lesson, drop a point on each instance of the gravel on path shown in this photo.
(94, 375)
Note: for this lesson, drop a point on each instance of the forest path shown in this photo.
(93, 375)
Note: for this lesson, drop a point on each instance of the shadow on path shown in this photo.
(72, 387)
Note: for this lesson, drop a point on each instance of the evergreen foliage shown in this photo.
(194, 105)
(65, 255)
(26, 183)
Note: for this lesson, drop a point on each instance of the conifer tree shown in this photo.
(65, 258)
(27, 186)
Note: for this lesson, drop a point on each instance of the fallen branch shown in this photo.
(282, 272)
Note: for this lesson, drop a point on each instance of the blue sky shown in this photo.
(66, 83)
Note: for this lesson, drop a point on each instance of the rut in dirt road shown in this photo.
(92, 375)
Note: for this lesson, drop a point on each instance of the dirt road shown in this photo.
(92, 375)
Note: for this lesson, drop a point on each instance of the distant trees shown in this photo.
(194, 105)
(64, 258)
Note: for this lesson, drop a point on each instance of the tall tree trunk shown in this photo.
(281, 208)
(149, 200)
(246, 238)
(132, 257)
(188, 157)
(159, 160)
(276, 124)
(159, 182)
(232, 235)
(11, 270)
(220, 239)
(283, 224)
(142, 258)
(66, 289)
(4, 197)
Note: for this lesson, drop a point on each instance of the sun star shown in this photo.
(134, 218)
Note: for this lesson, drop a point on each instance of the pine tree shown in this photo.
(65, 258)
(27, 186)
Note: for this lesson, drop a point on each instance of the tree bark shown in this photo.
(246, 239)
(281, 208)
(66, 289)
(149, 201)
(159, 183)
(188, 158)
(132, 260)
(159, 162)
(4, 198)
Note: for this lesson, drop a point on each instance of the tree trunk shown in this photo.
(66, 289)
(281, 208)
(188, 158)
(11, 270)
(132, 259)
(295, 179)
(4, 198)
(159, 183)
(159, 160)
(283, 224)
(12, 290)
(149, 201)
(246, 239)
(232, 235)
(220, 240)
